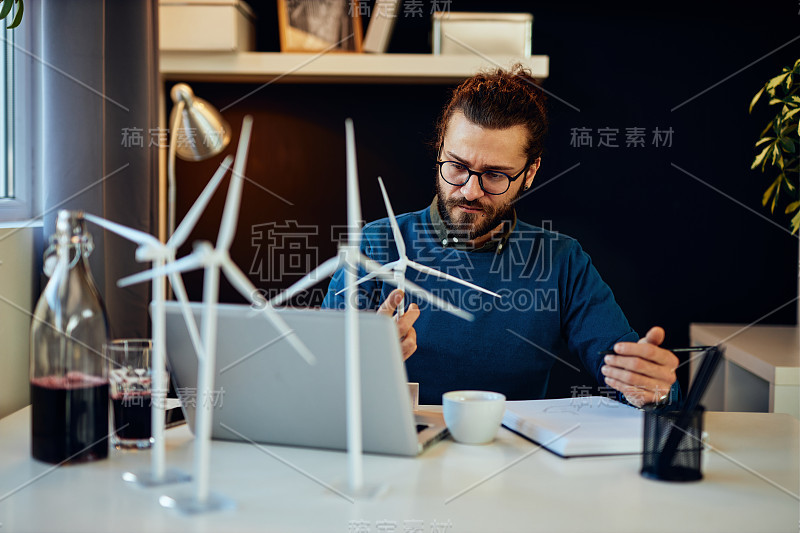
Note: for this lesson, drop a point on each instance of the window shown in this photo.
(17, 119)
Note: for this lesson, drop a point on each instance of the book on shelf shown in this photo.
(381, 25)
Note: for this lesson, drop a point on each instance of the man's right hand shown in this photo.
(405, 323)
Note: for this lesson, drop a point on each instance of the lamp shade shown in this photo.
(201, 131)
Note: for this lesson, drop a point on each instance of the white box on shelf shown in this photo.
(492, 34)
(206, 25)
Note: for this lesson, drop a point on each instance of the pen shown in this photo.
(673, 350)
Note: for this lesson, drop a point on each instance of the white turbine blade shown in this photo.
(239, 281)
(246, 288)
(353, 196)
(388, 267)
(230, 215)
(139, 237)
(187, 224)
(184, 264)
(416, 290)
(309, 280)
(191, 324)
(398, 237)
(440, 274)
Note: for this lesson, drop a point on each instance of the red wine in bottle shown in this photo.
(69, 418)
(68, 372)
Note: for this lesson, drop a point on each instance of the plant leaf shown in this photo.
(792, 207)
(792, 100)
(6, 9)
(785, 182)
(789, 100)
(768, 193)
(18, 16)
(791, 113)
(765, 139)
(755, 99)
(775, 82)
(787, 144)
(760, 157)
(777, 193)
(795, 224)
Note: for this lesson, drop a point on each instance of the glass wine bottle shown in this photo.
(69, 377)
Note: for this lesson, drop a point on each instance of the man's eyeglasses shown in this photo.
(490, 181)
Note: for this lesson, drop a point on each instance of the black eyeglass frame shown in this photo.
(471, 172)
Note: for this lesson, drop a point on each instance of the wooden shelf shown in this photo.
(261, 67)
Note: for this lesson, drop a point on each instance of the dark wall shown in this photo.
(676, 246)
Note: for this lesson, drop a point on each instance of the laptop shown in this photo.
(265, 392)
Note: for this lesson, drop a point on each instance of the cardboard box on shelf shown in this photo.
(206, 25)
(492, 34)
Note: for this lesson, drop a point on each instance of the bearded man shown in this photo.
(553, 301)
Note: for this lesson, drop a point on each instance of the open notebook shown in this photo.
(570, 427)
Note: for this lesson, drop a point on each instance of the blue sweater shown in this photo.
(554, 302)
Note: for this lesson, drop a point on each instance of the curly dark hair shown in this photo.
(500, 99)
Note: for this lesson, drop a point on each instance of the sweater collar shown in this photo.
(496, 244)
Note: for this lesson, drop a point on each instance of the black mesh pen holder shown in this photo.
(673, 447)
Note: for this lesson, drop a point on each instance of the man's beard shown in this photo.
(470, 226)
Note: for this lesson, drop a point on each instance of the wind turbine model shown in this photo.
(212, 260)
(350, 258)
(152, 250)
(399, 266)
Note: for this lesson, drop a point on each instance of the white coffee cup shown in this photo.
(473, 416)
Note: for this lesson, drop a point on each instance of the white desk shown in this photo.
(761, 370)
(541, 492)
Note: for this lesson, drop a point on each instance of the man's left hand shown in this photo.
(642, 371)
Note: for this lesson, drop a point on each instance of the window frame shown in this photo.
(21, 119)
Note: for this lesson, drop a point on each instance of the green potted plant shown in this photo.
(781, 143)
